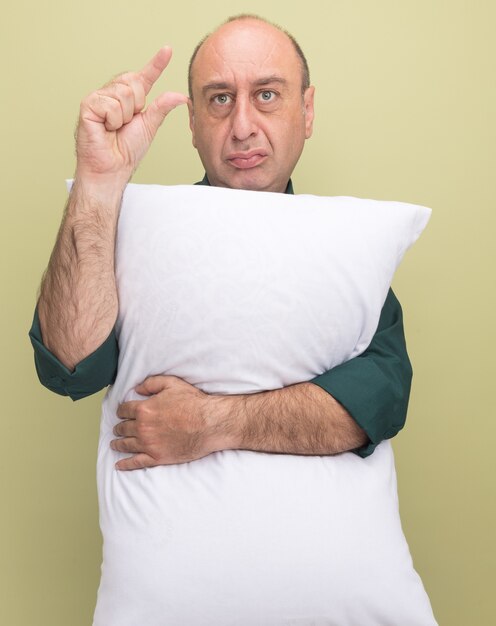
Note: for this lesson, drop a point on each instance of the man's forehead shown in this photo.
(263, 81)
(247, 49)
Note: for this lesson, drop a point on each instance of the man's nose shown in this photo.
(244, 120)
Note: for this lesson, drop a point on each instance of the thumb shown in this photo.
(157, 110)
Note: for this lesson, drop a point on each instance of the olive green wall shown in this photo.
(406, 98)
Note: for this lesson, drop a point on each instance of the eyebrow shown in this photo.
(260, 82)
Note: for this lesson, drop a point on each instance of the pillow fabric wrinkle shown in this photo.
(241, 292)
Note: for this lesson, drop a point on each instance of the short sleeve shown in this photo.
(96, 371)
(374, 387)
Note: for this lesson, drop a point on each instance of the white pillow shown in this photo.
(238, 292)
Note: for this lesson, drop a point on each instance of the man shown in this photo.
(251, 109)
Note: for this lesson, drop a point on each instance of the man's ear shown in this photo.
(191, 120)
(308, 110)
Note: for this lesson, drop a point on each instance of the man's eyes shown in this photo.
(222, 98)
(264, 97)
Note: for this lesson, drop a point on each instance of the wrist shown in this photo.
(94, 204)
(103, 187)
(225, 422)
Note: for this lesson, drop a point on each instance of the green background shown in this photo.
(405, 106)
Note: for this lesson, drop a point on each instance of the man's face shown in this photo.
(249, 118)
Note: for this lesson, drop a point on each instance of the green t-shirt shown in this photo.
(374, 387)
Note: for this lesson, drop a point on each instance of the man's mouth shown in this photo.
(246, 160)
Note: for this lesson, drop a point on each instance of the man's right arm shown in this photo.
(96, 371)
(78, 300)
(73, 330)
(78, 304)
(77, 307)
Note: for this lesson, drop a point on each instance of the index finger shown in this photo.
(152, 70)
(128, 410)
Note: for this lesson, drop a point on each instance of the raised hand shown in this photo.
(78, 302)
(114, 129)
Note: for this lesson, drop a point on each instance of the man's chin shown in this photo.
(250, 180)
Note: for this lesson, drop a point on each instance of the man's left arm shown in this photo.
(375, 386)
(352, 407)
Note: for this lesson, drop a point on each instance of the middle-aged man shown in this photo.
(251, 109)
